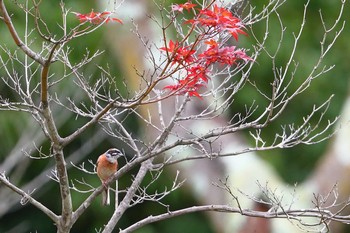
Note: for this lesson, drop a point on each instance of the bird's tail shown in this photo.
(105, 197)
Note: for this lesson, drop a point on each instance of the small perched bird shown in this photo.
(107, 165)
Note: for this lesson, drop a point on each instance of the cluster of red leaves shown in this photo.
(224, 55)
(96, 17)
(221, 19)
(197, 64)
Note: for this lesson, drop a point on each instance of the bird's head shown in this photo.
(113, 154)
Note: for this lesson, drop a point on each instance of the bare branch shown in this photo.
(28, 198)
(7, 19)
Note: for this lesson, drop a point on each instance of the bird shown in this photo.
(107, 165)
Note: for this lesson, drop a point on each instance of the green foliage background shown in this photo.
(294, 164)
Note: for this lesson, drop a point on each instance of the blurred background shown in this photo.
(314, 168)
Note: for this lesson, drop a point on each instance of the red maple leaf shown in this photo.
(180, 7)
(198, 73)
(96, 17)
(179, 53)
(171, 48)
(185, 86)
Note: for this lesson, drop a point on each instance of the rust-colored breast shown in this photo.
(104, 168)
